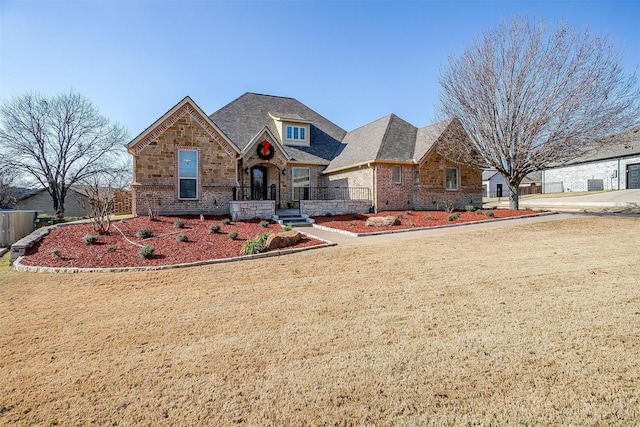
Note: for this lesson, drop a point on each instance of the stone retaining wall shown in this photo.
(250, 209)
(335, 207)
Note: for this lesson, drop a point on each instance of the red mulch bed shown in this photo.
(411, 219)
(113, 250)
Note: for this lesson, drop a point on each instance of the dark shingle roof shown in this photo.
(244, 117)
(427, 136)
(620, 145)
(388, 138)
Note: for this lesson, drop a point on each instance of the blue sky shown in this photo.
(351, 61)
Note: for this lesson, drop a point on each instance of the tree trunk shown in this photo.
(514, 195)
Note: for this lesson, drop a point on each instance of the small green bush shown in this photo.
(56, 253)
(352, 224)
(214, 228)
(256, 245)
(182, 237)
(144, 233)
(233, 235)
(454, 216)
(355, 217)
(226, 221)
(409, 213)
(398, 216)
(489, 214)
(470, 208)
(429, 217)
(146, 252)
(328, 214)
(90, 239)
(287, 227)
(264, 223)
(178, 223)
(479, 211)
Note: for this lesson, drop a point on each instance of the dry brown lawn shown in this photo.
(525, 325)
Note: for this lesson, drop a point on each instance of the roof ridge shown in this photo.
(392, 117)
(266, 94)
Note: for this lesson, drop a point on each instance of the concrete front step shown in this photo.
(294, 220)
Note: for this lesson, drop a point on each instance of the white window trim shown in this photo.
(197, 177)
(303, 128)
(399, 169)
(293, 182)
(457, 179)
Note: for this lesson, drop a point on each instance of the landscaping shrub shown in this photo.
(489, 214)
(226, 221)
(355, 217)
(56, 253)
(144, 233)
(470, 208)
(182, 237)
(429, 217)
(479, 211)
(454, 216)
(409, 213)
(233, 235)
(264, 223)
(146, 252)
(90, 239)
(398, 216)
(178, 223)
(256, 245)
(328, 214)
(214, 228)
(352, 224)
(287, 227)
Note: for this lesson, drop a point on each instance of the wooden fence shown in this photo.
(14, 225)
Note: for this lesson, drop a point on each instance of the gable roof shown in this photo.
(389, 138)
(186, 106)
(245, 116)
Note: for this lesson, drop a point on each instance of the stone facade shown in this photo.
(243, 210)
(155, 169)
(334, 207)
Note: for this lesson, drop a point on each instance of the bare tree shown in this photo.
(59, 141)
(100, 190)
(530, 99)
(8, 188)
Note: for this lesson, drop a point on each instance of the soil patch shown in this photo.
(355, 223)
(120, 248)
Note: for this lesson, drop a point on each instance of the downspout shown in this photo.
(618, 173)
(375, 187)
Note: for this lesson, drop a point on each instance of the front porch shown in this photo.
(306, 202)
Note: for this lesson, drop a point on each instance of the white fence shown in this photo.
(14, 225)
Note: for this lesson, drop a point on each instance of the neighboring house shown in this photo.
(494, 184)
(615, 166)
(39, 200)
(261, 153)
(76, 203)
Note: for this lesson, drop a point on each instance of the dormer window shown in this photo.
(296, 133)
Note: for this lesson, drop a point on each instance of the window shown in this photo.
(451, 179)
(301, 183)
(188, 174)
(296, 133)
(397, 175)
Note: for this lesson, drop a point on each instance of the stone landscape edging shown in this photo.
(434, 227)
(18, 266)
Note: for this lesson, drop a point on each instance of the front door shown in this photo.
(259, 183)
(633, 176)
(498, 190)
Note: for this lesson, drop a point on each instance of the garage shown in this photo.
(633, 176)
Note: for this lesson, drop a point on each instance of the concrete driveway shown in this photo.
(627, 201)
